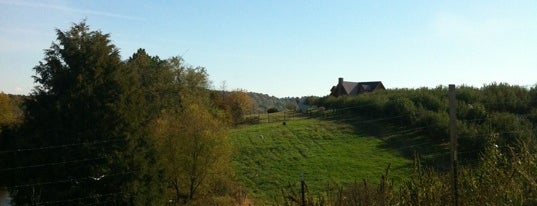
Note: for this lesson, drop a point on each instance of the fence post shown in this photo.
(453, 137)
(302, 190)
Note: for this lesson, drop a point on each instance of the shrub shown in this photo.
(272, 110)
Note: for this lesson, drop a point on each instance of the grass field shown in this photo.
(271, 156)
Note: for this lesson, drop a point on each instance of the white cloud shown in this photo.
(69, 9)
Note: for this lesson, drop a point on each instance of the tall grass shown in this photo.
(501, 178)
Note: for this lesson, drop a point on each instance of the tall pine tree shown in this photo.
(85, 123)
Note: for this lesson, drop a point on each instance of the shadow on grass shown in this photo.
(410, 142)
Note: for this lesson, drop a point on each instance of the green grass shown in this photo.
(277, 116)
(270, 156)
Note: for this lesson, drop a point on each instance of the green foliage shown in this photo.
(500, 178)
(436, 125)
(505, 98)
(508, 129)
(85, 94)
(504, 112)
(272, 110)
(401, 106)
(189, 133)
(195, 153)
(312, 100)
(98, 130)
(262, 102)
(156, 79)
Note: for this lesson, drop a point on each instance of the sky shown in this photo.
(290, 48)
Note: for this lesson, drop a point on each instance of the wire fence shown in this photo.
(279, 117)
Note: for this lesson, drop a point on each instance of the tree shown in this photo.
(238, 102)
(157, 81)
(8, 114)
(292, 107)
(89, 100)
(192, 142)
(196, 151)
(190, 137)
(272, 110)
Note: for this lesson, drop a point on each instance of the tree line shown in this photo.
(100, 130)
(263, 102)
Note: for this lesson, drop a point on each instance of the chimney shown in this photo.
(340, 80)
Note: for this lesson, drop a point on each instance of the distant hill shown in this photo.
(262, 102)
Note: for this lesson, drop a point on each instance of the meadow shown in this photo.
(271, 157)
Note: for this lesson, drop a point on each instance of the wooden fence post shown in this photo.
(453, 138)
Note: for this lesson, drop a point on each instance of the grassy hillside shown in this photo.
(270, 156)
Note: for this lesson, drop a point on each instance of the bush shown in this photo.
(272, 110)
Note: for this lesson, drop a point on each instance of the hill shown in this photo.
(263, 102)
(270, 156)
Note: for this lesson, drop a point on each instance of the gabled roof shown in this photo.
(357, 87)
(354, 88)
(350, 87)
(370, 86)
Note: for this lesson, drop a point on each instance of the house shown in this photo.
(344, 88)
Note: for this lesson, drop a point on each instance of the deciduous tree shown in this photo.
(237, 103)
(7, 110)
(196, 152)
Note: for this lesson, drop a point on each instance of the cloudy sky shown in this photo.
(293, 48)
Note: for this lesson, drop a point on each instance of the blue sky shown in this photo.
(293, 47)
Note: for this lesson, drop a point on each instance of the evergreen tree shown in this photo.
(87, 117)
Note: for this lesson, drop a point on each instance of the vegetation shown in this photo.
(498, 113)
(496, 126)
(262, 102)
(9, 111)
(270, 156)
(98, 130)
(272, 110)
(499, 179)
(148, 131)
(236, 103)
(195, 155)
(84, 96)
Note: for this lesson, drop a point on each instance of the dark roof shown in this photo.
(355, 88)
(370, 86)
(352, 88)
